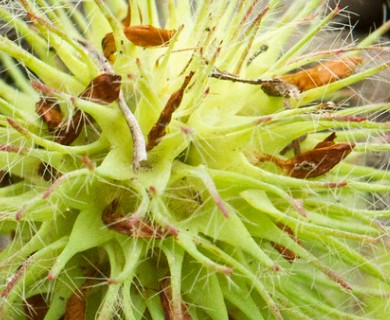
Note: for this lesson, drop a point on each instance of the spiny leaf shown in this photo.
(166, 303)
(132, 226)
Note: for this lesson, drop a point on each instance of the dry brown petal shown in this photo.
(109, 47)
(315, 162)
(159, 128)
(148, 36)
(75, 307)
(49, 111)
(323, 73)
(166, 303)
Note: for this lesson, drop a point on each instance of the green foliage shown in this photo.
(237, 237)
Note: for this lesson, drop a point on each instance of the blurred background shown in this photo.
(365, 15)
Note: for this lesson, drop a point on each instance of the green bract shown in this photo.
(200, 226)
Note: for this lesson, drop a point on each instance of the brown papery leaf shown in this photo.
(103, 89)
(166, 303)
(49, 111)
(148, 36)
(323, 73)
(315, 162)
(36, 307)
(69, 131)
(75, 307)
(159, 128)
(109, 47)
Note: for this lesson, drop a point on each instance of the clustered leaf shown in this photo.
(312, 163)
(188, 160)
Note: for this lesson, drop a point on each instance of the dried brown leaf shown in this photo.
(36, 307)
(327, 142)
(75, 307)
(103, 89)
(148, 36)
(159, 129)
(67, 133)
(313, 163)
(49, 111)
(323, 73)
(109, 47)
